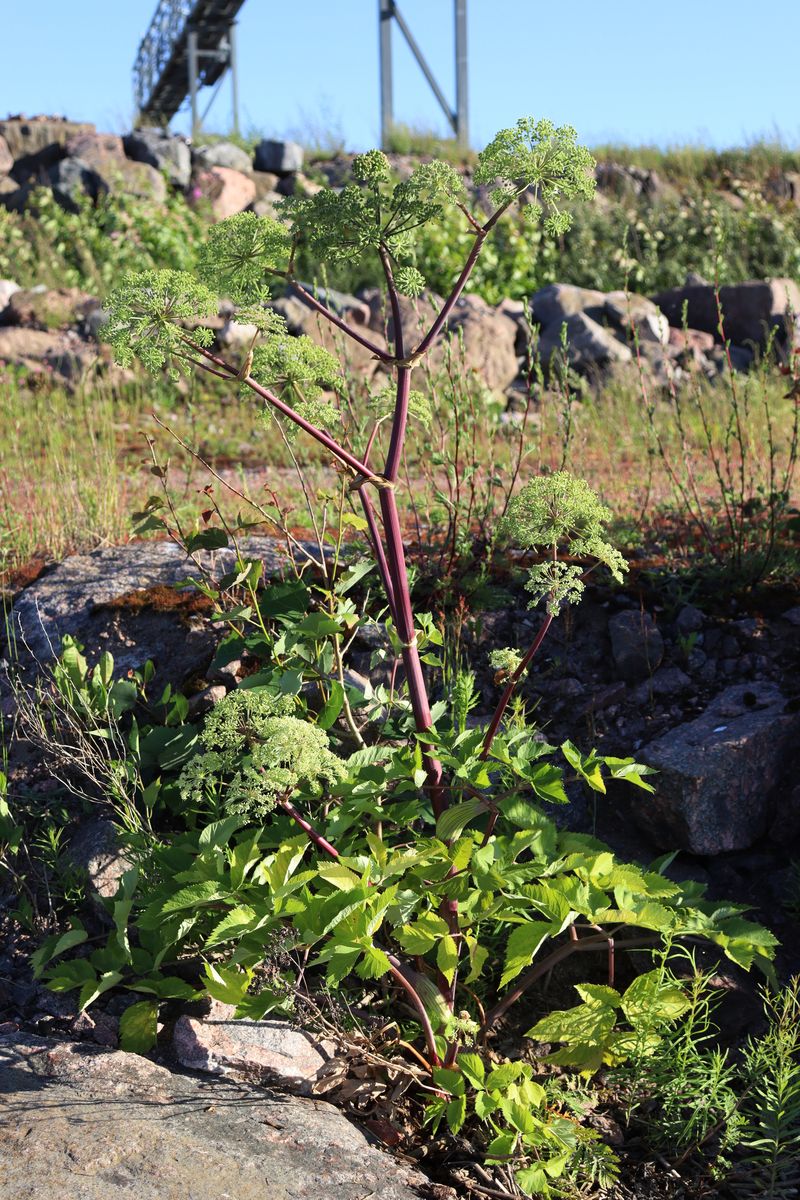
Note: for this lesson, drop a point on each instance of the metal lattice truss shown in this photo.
(186, 38)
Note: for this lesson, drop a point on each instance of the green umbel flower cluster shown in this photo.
(149, 311)
(371, 213)
(256, 754)
(505, 661)
(240, 253)
(300, 371)
(554, 512)
(538, 154)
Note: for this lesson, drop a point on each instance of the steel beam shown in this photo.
(389, 11)
(386, 11)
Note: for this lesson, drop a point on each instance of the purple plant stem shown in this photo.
(403, 976)
(460, 284)
(547, 964)
(313, 835)
(344, 456)
(331, 316)
(377, 550)
(511, 686)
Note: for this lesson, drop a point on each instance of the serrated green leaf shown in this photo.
(56, 944)
(472, 1067)
(422, 935)
(95, 987)
(447, 957)
(138, 1027)
(523, 943)
(233, 925)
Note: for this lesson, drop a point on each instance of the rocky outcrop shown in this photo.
(169, 155)
(637, 646)
(223, 154)
(80, 1121)
(751, 310)
(718, 773)
(89, 595)
(282, 158)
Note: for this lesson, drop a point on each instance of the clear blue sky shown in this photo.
(722, 72)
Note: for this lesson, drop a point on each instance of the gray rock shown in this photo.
(6, 157)
(589, 344)
(161, 150)
(792, 615)
(636, 644)
(750, 309)
(624, 310)
(268, 1050)
(718, 772)
(103, 153)
(69, 598)
(689, 620)
(223, 154)
(36, 142)
(95, 848)
(280, 158)
(71, 179)
(83, 1123)
(669, 681)
(558, 301)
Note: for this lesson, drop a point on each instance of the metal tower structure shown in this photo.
(389, 13)
(189, 44)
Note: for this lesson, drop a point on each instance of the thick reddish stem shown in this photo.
(558, 955)
(402, 974)
(344, 456)
(460, 284)
(325, 312)
(319, 841)
(511, 686)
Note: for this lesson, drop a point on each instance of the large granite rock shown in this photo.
(119, 598)
(46, 308)
(271, 1051)
(281, 158)
(36, 142)
(104, 155)
(589, 344)
(224, 154)
(225, 190)
(78, 1122)
(95, 849)
(718, 774)
(169, 155)
(637, 647)
(47, 352)
(751, 310)
(559, 301)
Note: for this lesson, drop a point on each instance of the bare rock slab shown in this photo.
(81, 1123)
(718, 774)
(69, 598)
(267, 1050)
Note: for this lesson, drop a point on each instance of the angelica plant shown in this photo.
(436, 869)
(256, 755)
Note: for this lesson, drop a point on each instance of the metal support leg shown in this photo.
(462, 102)
(193, 73)
(232, 63)
(385, 15)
